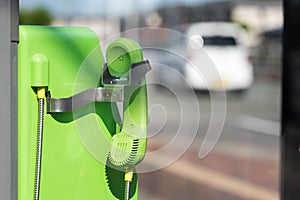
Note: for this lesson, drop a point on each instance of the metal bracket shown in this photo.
(56, 105)
(134, 77)
(115, 94)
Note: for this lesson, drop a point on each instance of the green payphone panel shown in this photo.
(78, 142)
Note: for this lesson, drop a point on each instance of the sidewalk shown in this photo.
(217, 177)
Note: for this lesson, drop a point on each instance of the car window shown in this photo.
(219, 41)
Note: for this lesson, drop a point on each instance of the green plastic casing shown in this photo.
(51, 57)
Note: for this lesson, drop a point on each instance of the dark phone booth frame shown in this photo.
(290, 140)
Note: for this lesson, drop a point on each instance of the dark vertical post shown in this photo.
(9, 16)
(290, 167)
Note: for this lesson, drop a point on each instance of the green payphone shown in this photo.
(73, 141)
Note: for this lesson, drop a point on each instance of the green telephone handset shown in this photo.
(126, 67)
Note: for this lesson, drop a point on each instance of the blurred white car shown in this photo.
(223, 61)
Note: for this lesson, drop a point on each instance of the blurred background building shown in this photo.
(259, 17)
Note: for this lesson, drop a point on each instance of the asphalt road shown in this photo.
(243, 161)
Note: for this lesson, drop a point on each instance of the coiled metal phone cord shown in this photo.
(127, 190)
(128, 178)
(39, 148)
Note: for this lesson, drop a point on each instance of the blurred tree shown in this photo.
(37, 16)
